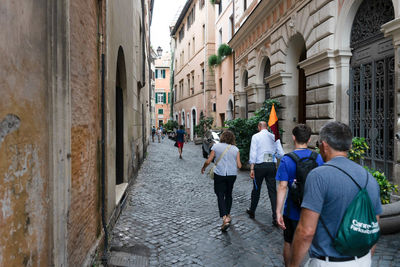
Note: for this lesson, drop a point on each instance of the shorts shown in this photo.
(288, 233)
(180, 144)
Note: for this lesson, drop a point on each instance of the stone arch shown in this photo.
(230, 111)
(120, 107)
(295, 87)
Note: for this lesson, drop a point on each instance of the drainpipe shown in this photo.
(205, 59)
(234, 63)
(103, 156)
(143, 47)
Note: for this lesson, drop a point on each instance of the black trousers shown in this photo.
(223, 186)
(265, 171)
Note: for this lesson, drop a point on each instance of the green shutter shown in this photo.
(165, 98)
(160, 111)
(169, 97)
(156, 98)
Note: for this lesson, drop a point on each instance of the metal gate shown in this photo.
(372, 110)
(372, 83)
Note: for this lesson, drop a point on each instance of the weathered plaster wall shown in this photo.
(84, 222)
(123, 31)
(24, 228)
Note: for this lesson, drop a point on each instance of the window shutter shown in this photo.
(156, 98)
(169, 97)
(156, 74)
(163, 73)
(160, 111)
(165, 98)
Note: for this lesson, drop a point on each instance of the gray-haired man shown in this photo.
(328, 192)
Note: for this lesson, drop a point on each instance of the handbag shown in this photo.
(176, 144)
(211, 171)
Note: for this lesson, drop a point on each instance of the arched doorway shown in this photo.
(230, 111)
(266, 73)
(372, 83)
(296, 86)
(194, 122)
(120, 88)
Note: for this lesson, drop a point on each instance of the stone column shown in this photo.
(240, 104)
(255, 96)
(392, 29)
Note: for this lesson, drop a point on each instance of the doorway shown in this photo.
(119, 117)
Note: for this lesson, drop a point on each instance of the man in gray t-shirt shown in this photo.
(328, 192)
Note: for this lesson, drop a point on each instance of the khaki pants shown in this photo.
(360, 262)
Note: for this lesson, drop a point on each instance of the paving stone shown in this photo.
(172, 210)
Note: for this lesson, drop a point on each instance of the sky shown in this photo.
(163, 13)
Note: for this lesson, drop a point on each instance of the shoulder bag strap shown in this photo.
(223, 153)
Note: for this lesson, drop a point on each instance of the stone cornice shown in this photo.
(278, 78)
(392, 29)
(322, 61)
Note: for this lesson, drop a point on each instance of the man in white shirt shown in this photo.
(264, 151)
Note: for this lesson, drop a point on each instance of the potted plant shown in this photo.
(390, 218)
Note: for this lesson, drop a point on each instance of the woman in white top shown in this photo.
(224, 174)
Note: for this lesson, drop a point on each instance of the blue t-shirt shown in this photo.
(287, 172)
(329, 191)
(180, 135)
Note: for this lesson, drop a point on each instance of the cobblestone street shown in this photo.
(171, 219)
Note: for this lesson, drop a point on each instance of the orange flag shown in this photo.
(273, 123)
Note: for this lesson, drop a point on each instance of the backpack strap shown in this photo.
(293, 156)
(320, 217)
(346, 174)
(314, 155)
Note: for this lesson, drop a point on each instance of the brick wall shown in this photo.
(84, 215)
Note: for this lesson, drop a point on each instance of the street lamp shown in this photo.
(159, 51)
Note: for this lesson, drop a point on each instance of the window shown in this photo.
(194, 50)
(214, 107)
(182, 33)
(189, 50)
(244, 5)
(204, 33)
(188, 83)
(160, 98)
(220, 86)
(160, 74)
(201, 3)
(220, 37)
(231, 26)
(160, 111)
(202, 78)
(220, 7)
(190, 18)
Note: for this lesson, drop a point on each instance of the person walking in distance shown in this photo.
(153, 133)
(264, 151)
(328, 193)
(288, 172)
(227, 163)
(159, 133)
(180, 139)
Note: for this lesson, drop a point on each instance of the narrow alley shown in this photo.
(171, 219)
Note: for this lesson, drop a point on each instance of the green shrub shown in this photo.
(204, 125)
(224, 50)
(359, 147)
(171, 125)
(214, 60)
(386, 187)
(245, 128)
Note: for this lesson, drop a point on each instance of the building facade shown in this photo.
(321, 61)
(194, 82)
(162, 87)
(59, 59)
(224, 75)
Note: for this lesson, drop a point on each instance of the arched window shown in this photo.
(245, 79)
(267, 72)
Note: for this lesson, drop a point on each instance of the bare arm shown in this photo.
(208, 161)
(280, 198)
(303, 236)
(238, 163)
